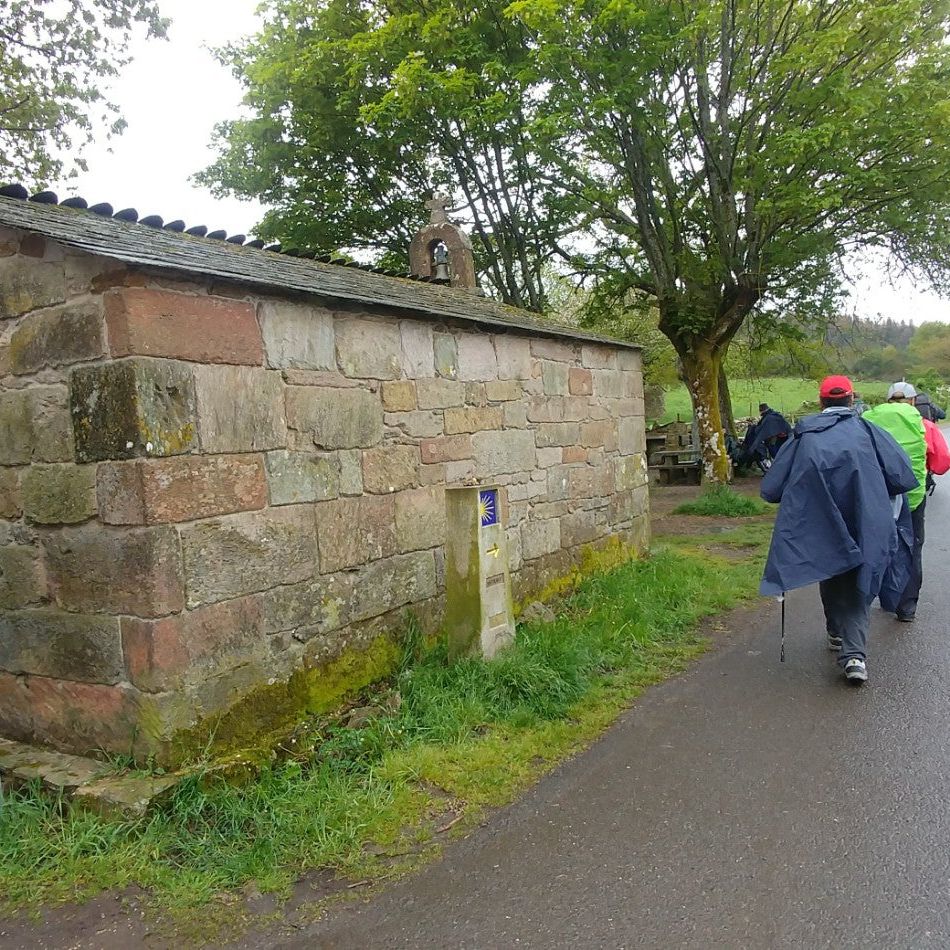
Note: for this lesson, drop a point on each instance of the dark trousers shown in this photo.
(847, 614)
(907, 606)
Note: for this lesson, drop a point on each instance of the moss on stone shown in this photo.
(259, 719)
(594, 558)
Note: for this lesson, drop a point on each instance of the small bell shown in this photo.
(440, 258)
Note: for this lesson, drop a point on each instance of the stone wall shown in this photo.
(208, 494)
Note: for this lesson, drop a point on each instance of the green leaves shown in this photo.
(52, 57)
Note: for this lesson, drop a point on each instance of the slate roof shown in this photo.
(149, 241)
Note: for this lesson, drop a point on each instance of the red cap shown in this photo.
(835, 386)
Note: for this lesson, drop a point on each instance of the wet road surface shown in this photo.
(745, 804)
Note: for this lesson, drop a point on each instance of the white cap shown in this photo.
(901, 389)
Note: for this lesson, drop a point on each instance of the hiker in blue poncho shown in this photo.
(840, 481)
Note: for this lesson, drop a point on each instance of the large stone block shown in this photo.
(628, 505)
(451, 448)
(514, 357)
(297, 336)
(516, 415)
(630, 360)
(132, 408)
(336, 418)
(417, 351)
(475, 394)
(390, 468)
(399, 395)
(545, 409)
(597, 356)
(608, 383)
(554, 377)
(59, 494)
(162, 655)
(298, 477)
(580, 381)
(473, 419)
(352, 531)
(11, 504)
(57, 337)
(22, 578)
(394, 582)
(50, 424)
(630, 471)
(559, 482)
(27, 284)
(97, 569)
(16, 719)
(316, 606)
(497, 453)
(539, 538)
(420, 424)
(83, 717)
(240, 409)
(242, 554)
(503, 390)
(66, 646)
(579, 527)
(438, 393)
(351, 472)
(588, 481)
(35, 426)
(420, 518)
(602, 433)
(446, 353)
(368, 349)
(631, 435)
(547, 349)
(143, 321)
(16, 428)
(184, 488)
(558, 433)
(476, 357)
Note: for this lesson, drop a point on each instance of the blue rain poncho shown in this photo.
(835, 479)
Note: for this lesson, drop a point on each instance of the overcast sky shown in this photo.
(174, 92)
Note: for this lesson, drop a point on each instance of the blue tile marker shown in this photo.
(488, 507)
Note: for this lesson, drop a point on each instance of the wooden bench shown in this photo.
(678, 466)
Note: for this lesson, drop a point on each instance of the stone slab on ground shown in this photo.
(82, 780)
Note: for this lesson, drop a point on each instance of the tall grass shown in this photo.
(477, 729)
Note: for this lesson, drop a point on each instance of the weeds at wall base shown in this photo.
(463, 738)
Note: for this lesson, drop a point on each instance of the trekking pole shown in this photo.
(781, 600)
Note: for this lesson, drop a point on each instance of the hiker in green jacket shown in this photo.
(899, 417)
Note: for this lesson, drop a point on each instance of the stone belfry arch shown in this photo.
(443, 249)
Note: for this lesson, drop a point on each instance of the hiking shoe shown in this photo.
(834, 643)
(905, 618)
(855, 671)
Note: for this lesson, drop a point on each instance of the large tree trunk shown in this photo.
(701, 367)
(725, 402)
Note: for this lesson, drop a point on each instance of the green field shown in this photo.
(783, 393)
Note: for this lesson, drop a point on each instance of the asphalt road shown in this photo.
(746, 804)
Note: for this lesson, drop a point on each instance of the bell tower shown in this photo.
(442, 250)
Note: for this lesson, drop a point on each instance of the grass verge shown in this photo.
(721, 501)
(448, 741)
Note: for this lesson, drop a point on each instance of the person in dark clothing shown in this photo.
(838, 480)
(762, 439)
(927, 408)
(772, 429)
(898, 417)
